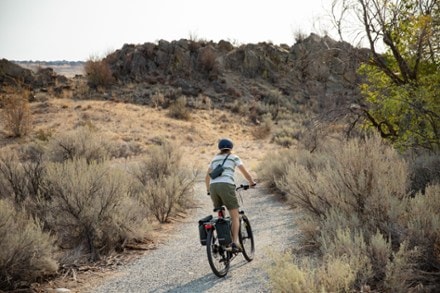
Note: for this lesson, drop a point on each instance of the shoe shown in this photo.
(234, 248)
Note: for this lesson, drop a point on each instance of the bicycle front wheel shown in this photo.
(218, 258)
(246, 238)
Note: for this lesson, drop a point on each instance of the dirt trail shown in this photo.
(181, 265)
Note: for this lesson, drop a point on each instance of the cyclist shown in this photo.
(222, 188)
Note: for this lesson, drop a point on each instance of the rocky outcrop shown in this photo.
(317, 69)
(317, 72)
(12, 74)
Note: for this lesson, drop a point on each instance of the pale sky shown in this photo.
(49, 30)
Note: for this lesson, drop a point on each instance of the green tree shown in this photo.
(402, 86)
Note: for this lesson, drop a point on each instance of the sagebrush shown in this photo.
(360, 214)
(90, 206)
(26, 251)
(17, 115)
(164, 183)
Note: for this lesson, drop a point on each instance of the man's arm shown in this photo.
(247, 175)
(207, 180)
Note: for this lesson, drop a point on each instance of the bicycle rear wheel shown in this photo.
(246, 238)
(218, 258)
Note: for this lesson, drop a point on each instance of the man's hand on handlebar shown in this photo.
(246, 186)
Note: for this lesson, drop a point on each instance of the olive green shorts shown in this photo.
(224, 194)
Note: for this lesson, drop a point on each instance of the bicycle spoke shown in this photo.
(218, 258)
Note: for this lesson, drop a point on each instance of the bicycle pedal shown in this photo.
(234, 249)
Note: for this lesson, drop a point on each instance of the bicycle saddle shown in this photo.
(222, 208)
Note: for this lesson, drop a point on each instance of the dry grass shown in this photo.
(138, 127)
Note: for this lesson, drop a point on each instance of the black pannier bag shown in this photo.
(202, 231)
(223, 227)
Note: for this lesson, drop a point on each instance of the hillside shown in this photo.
(134, 127)
(315, 69)
(315, 73)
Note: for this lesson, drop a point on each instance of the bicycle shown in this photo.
(219, 257)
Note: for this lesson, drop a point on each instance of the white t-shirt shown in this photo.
(229, 168)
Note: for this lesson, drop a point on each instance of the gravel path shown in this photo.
(181, 264)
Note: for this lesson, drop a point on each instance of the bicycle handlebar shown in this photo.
(245, 186)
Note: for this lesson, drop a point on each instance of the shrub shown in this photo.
(352, 177)
(21, 181)
(401, 273)
(179, 109)
(264, 129)
(98, 73)
(299, 36)
(274, 167)
(166, 184)
(424, 170)
(287, 276)
(359, 213)
(207, 60)
(167, 195)
(83, 142)
(201, 102)
(158, 99)
(346, 245)
(277, 103)
(17, 114)
(43, 135)
(337, 274)
(286, 133)
(26, 252)
(422, 230)
(257, 110)
(12, 178)
(88, 206)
